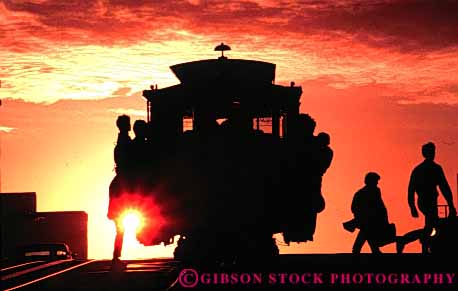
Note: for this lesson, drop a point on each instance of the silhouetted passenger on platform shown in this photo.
(326, 153)
(239, 122)
(370, 214)
(205, 122)
(139, 149)
(322, 155)
(121, 151)
(122, 160)
(424, 180)
(306, 165)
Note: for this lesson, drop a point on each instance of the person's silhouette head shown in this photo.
(371, 179)
(204, 120)
(323, 139)
(140, 129)
(429, 151)
(239, 118)
(307, 124)
(123, 123)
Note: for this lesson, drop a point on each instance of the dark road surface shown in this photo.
(299, 272)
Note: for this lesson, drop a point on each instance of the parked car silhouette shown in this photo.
(45, 251)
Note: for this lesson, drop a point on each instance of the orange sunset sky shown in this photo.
(380, 76)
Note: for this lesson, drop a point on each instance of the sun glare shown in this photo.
(131, 221)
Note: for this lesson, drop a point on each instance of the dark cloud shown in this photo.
(84, 22)
(409, 25)
(404, 24)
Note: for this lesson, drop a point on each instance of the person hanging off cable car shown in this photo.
(121, 158)
(308, 158)
(131, 188)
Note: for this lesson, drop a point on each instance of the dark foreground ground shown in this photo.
(286, 272)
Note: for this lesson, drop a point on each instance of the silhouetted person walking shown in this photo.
(370, 214)
(424, 180)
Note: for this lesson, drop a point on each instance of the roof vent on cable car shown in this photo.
(222, 47)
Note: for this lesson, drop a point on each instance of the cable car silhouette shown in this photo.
(219, 147)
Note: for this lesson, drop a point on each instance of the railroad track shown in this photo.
(25, 274)
(18, 267)
(89, 275)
